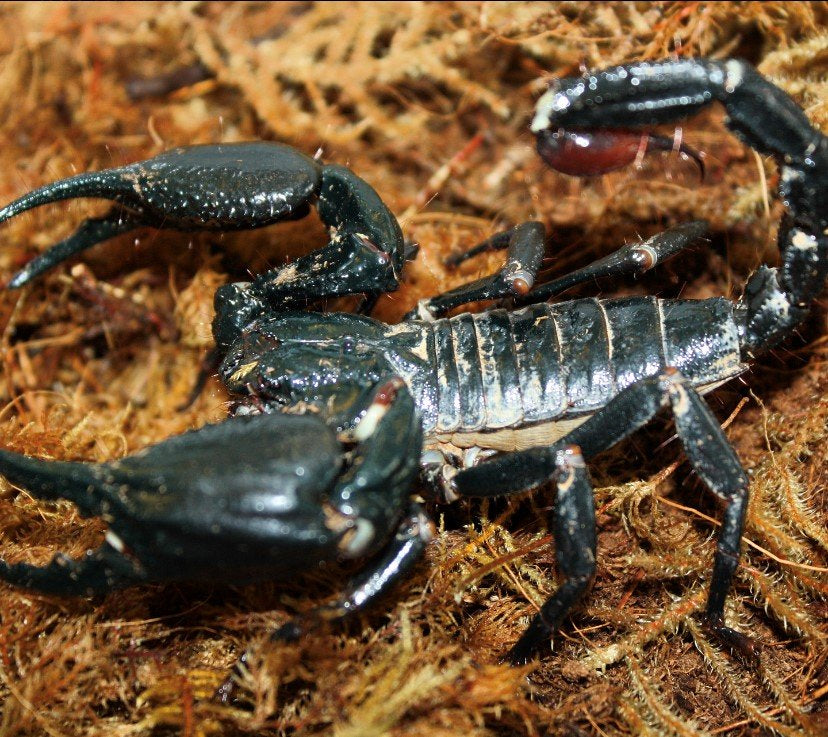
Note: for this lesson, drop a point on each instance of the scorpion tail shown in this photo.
(762, 115)
(776, 299)
(81, 483)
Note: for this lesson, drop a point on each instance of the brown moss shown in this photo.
(430, 103)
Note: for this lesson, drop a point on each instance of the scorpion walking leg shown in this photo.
(707, 449)
(398, 558)
(575, 543)
(384, 464)
(632, 259)
(525, 251)
(713, 458)
(525, 243)
(497, 242)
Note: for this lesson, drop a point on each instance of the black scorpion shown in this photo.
(551, 384)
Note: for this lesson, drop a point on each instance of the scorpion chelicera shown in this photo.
(549, 384)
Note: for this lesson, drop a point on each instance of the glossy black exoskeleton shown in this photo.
(262, 497)
(240, 186)
(551, 384)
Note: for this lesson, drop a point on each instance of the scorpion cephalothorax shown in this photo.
(552, 384)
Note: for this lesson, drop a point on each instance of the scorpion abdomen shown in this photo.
(559, 363)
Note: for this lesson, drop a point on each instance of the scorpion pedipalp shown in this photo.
(238, 186)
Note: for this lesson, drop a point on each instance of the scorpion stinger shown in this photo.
(239, 186)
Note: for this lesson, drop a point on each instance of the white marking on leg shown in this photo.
(368, 424)
(734, 74)
(803, 241)
(681, 405)
(650, 255)
(358, 538)
(115, 541)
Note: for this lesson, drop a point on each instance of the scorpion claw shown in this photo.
(172, 507)
(238, 186)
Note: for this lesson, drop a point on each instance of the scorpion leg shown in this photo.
(398, 558)
(708, 450)
(525, 245)
(575, 543)
(632, 259)
(383, 465)
(525, 251)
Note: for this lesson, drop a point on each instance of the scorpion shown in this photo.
(335, 413)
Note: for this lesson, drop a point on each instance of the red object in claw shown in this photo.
(589, 153)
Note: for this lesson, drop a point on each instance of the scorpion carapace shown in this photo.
(552, 385)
